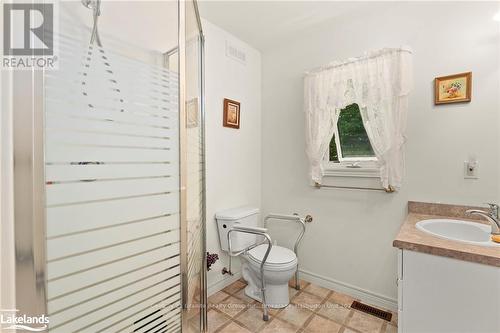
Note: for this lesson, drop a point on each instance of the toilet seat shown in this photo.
(279, 259)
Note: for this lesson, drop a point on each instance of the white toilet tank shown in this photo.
(243, 216)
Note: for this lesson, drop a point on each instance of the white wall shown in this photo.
(233, 156)
(350, 240)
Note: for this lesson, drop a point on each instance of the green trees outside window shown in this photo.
(353, 140)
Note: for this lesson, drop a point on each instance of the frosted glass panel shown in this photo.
(194, 168)
(112, 187)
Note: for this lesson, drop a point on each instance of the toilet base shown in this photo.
(277, 296)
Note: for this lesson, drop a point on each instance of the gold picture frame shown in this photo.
(231, 114)
(455, 88)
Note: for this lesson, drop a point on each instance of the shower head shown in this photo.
(91, 4)
(95, 5)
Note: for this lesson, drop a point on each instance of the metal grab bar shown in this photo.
(260, 232)
(302, 221)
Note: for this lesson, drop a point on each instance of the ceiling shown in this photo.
(260, 23)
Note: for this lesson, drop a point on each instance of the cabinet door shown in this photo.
(448, 295)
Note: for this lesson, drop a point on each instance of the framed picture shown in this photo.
(231, 113)
(192, 113)
(453, 88)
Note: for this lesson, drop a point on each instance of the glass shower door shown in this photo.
(194, 171)
(108, 175)
(113, 241)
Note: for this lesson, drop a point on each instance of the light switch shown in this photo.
(471, 169)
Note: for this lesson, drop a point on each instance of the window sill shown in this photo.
(339, 170)
(343, 176)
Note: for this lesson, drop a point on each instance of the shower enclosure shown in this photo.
(108, 172)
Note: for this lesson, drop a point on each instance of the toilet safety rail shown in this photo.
(260, 232)
(302, 222)
(267, 239)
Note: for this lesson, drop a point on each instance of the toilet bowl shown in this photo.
(279, 268)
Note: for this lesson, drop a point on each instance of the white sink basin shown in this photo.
(458, 230)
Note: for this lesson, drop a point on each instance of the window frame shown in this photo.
(349, 166)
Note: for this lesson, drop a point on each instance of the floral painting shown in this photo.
(453, 88)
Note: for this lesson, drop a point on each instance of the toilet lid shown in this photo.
(278, 254)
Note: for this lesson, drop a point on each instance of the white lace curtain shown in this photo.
(379, 82)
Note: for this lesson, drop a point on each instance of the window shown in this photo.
(351, 154)
(350, 142)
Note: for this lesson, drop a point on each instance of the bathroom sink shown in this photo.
(458, 230)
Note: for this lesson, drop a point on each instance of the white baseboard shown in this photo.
(221, 284)
(361, 294)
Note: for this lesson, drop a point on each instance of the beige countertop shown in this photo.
(410, 238)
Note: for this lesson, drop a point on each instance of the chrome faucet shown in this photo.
(491, 217)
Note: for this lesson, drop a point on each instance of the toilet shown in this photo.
(280, 265)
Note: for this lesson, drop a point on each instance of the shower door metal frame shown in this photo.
(203, 284)
(29, 191)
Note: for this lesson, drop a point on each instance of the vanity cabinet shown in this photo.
(438, 294)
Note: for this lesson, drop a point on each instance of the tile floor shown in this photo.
(312, 309)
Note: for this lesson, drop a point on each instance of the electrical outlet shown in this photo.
(471, 169)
